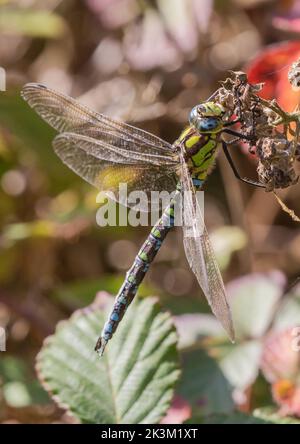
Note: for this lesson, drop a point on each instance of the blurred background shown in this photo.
(148, 63)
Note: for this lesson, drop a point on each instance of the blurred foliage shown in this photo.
(265, 338)
(147, 63)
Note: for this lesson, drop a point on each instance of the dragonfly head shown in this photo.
(207, 117)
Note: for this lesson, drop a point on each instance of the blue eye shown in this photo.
(202, 123)
(207, 124)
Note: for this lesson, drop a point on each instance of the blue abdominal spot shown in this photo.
(114, 317)
(197, 182)
(108, 328)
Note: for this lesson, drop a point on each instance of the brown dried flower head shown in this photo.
(276, 162)
(294, 75)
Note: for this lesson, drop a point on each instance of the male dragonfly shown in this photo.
(105, 152)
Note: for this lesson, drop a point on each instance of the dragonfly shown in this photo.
(105, 152)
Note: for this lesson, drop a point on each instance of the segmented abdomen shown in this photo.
(136, 274)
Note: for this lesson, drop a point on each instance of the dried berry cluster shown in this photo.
(276, 162)
(294, 75)
(269, 128)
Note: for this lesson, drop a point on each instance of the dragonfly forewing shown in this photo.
(66, 114)
(103, 150)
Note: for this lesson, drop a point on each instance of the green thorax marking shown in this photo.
(200, 150)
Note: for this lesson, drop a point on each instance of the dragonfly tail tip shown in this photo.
(100, 346)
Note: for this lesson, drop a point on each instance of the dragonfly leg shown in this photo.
(232, 141)
(232, 122)
(239, 135)
(235, 171)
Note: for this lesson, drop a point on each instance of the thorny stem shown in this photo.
(285, 118)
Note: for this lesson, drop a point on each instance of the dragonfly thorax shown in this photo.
(199, 151)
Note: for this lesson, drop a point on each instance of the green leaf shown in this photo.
(13, 369)
(240, 364)
(203, 383)
(31, 23)
(36, 138)
(193, 327)
(132, 383)
(288, 314)
(271, 414)
(16, 394)
(226, 240)
(19, 387)
(254, 300)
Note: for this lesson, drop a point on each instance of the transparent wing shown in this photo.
(67, 115)
(106, 168)
(102, 149)
(200, 255)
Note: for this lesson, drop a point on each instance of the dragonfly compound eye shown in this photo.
(208, 125)
(207, 109)
(213, 109)
(194, 116)
(207, 121)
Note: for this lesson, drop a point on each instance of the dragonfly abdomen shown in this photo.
(136, 274)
